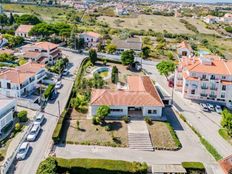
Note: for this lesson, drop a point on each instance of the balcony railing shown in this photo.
(204, 87)
(212, 96)
(213, 88)
(203, 95)
(204, 79)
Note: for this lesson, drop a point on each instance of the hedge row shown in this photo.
(48, 91)
(194, 167)
(174, 136)
(100, 166)
(57, 131)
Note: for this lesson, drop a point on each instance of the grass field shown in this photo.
(46, 13)
(145, 22)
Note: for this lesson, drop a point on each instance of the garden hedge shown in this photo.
(57, 131)
(100, 166)
(194, 167)
(48, 91)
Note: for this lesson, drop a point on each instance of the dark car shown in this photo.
(54, 95)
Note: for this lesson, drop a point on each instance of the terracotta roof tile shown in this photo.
(226, 164)
(93, 34)
(24, 28)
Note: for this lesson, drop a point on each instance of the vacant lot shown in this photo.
(145, 22)
(46, 13)
(161, 136)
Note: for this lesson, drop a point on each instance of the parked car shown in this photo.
(218, 109)
(204, 107)
(54, 95)
(58, 85)
(65, 72)
(23, 150)
(210, 107)
(33, 133)
(39, 119)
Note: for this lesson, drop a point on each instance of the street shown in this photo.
(207, 123)
(41, 147)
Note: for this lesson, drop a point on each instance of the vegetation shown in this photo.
(102, 113)
(226, 121)
(27, 19)
(48, 166)
(57, 131)
(148, 120)
(93, 56)
(13, 41)
(22, 115)
(146, 52)
(127, 57)
(114, 74)
(174, 136)
(225, 135)
(194, 167)
(59, 66)
(126, 119)
(189, 26)
(48, 91)
(7, 57)
(90, 166)
(228, 29)
(17, 127)
(111, 48)
(166, 67)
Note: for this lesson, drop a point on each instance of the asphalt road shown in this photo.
(206, 123)
(41, 147)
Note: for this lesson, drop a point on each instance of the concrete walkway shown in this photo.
(138, 136)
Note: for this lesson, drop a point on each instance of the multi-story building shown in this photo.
(206, 78)
(42, 52)
(91, 39)
(22, 80)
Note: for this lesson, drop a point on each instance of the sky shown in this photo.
(205, 1)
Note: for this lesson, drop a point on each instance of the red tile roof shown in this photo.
(185, 44)
(141, 92)
(226, 164)
(24, 28)
(43, 45)
(19, 74)
(93, 34)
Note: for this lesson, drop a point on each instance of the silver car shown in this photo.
(33, 133)
(23, 150)
(39, 119)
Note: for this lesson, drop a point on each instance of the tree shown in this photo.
(146, 52)
(166, 67)
(102, 112)
(170, 56)
(11, 19)
(93, 56)
(22, 61)
(42, 29)
(228, 29)
(127, 57)
(72, 42)
(3, 20)
(111, 48)
(114, 74)
(48, 166)
(17, 127)
(97, 81)
(226, 121)
(13, 41)
(28, 19)
(22, 115)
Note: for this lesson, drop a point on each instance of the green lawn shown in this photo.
(225, 135)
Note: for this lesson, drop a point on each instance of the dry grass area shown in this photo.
(90, 134)
(145, 22)
(161, 136)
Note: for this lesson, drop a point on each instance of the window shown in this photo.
(223, 87)
(203, 76)
(116, 110)
(8, 86)
(223, 77)
(152, 111)
(212, 77)
(193, 91)
(222, 95)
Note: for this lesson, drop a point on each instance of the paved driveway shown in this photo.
(206, 123)
(40, 148)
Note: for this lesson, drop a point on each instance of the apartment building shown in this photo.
(91, 39)
(42, 52)
(22, 80)
(207, 77)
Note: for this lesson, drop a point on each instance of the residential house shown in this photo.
(121, 10)
(23, 31)
(132, 43)
(91, 39)
(207, 78)
(138, 98)
(7, 109)
(184, 49)
(227, 18)
(41, 52)
(210, 19)
(226, 164)
(22, 80)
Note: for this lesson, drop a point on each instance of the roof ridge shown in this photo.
(104, 90)
(227, 67)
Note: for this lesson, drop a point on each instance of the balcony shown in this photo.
(203, 95)
(213, 88)
(204, 87)
(212, 96)
(204, 79)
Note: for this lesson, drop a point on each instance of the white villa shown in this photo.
(7, 109)
(20, 81)
(91, 39)
(207, 78)
(41, 52)
(140, 98)
(23, 31)
(184, 49)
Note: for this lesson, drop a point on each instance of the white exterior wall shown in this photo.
(181, 50)
(123, 113)
(6, 114)
(158, 111)
(91, 41)
(22, 34)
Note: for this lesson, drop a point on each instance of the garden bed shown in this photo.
(162, 136)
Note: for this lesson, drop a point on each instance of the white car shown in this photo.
(39, 119)
(33, 133)
(65, 72)
(210, 107)
(58, 85)
(23, 150)
(204, 107)
(218, 109)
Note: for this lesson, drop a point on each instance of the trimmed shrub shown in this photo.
(48, 166)
(194, 167)
(57, 131)
(48, 91)
(107, 128)
(126, 119)
(22, 115)
(174, 136)
(17, 127)
(100, 166)
(148, 120)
